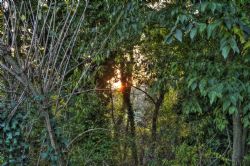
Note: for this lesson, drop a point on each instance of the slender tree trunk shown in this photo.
(244, 141)
(155, 116)
(126, 70)
(118, 131)
(112, 104)
(142, 149)
(237, 140)
(125, 150)
(52, 135)
(132, 124)
(154, 123)
(158, 104)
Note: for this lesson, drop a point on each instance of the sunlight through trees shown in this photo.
(124, 82)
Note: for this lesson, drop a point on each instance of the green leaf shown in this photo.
(193, 86)
(178, 35)
(203, 6)
(6, 128)
(233, 99)
(219, 7)
(202, 85)
(193, 33)
(9, 135)
(15, 141)
(17, 133)
(234, 45)
(7, 142)
(14, 124)
(119, 32)
(210, 29)
(212, 96)
(225, 51)
(202, 27)
(246, 108)
(223, 42)
(183, 18)
(134, 26)
(239, 33)
(246, 121)
(213, 7)
(23, 18)
(44, 155)
(226, 104)
(232, 110)
(189, 27)
(191, 81)
(174, 12)
(169, 39)
(54, 158)
(247, 45)
(228, 23)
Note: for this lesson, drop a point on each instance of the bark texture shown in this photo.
(237, 140)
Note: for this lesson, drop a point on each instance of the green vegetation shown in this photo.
(125, 82)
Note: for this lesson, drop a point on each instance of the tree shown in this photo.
(229, 24)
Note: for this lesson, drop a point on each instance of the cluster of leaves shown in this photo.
(228, 23)
(14, 147)
(206, 64)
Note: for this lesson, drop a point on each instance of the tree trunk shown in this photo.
(237, 140)
(126, 69)
(154, 123)
(132, 124)
(52, 135)
(155, 116)
(53, 140)
(244, 141)
(125, 151)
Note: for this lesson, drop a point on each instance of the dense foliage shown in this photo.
(125, 82)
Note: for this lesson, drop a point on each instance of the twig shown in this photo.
(81, 134)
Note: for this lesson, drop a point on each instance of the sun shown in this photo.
(117, 85)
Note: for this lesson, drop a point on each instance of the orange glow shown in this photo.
(116, 83)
